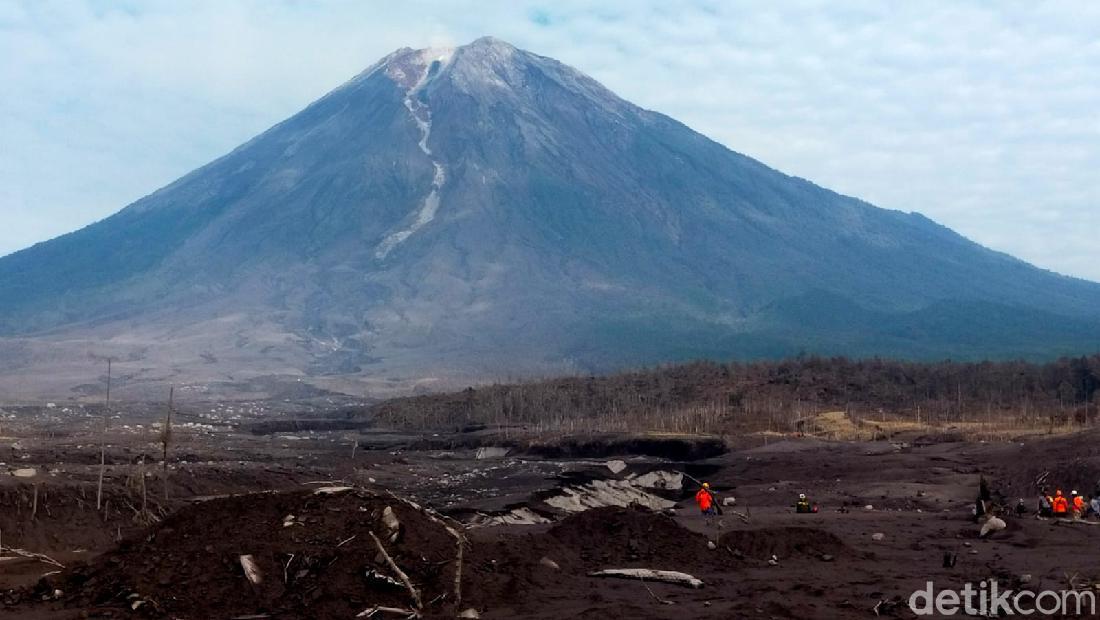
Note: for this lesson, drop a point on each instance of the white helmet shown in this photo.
(801, 496)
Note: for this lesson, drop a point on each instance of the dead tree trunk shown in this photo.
(103, 442)
(165, 440)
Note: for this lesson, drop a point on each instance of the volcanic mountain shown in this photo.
(484, 212)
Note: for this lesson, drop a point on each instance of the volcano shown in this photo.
(483, 212)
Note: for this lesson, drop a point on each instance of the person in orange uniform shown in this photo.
(1078, 505)
(1060, 507)
(705, 499)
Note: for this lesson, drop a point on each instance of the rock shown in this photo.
(878, 537)
(868, 507)
(393, 526)
(469, 613)
(616, 466)
(728, 501)
(548, 563)
(1025, 578)
(711, 545)
(773, 561)
(993, 524)
(667, 480)
(827, 558)
(26, 472)
(490, 452)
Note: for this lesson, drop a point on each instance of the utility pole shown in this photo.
(165, 439)
(103, 441)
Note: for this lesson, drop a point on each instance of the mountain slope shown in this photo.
(485, 211)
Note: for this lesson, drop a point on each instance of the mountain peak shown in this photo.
(408, 223)
(490, 43)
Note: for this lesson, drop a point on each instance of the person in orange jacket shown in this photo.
(1078, 505)
(705, 499)
(1060, 507)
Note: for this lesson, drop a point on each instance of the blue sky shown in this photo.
(985, 116)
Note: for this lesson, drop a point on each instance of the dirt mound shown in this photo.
(1059, 462)
(512, 570)
(785, 542)
(314, 551)
(623, 535)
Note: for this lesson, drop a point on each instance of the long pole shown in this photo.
(166, 438)
(103, 442)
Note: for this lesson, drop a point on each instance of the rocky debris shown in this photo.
(515, 516)
(602, 493)
(661, 480)
(548, 563)
(25, 472)
(729, 501)
(878, 537)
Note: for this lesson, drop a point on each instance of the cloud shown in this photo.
(983, 116)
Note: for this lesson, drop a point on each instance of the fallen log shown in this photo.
(442, 520)
(371, 612)
(647, 574)
(23, 553)
(1077, 522)
(397, 571)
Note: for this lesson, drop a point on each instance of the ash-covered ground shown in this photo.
(242, 479)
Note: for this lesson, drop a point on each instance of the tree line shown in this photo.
(714, 396)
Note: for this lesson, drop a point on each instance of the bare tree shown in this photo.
(103, 441)
(166, 439)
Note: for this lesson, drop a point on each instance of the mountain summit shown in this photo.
(482, 212)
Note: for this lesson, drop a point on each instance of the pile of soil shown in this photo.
(621, 536)
(785, 542)
(513, 570)
(314, 551)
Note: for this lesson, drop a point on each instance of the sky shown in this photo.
(984, 116)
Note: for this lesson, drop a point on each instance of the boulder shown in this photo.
(993, 524)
